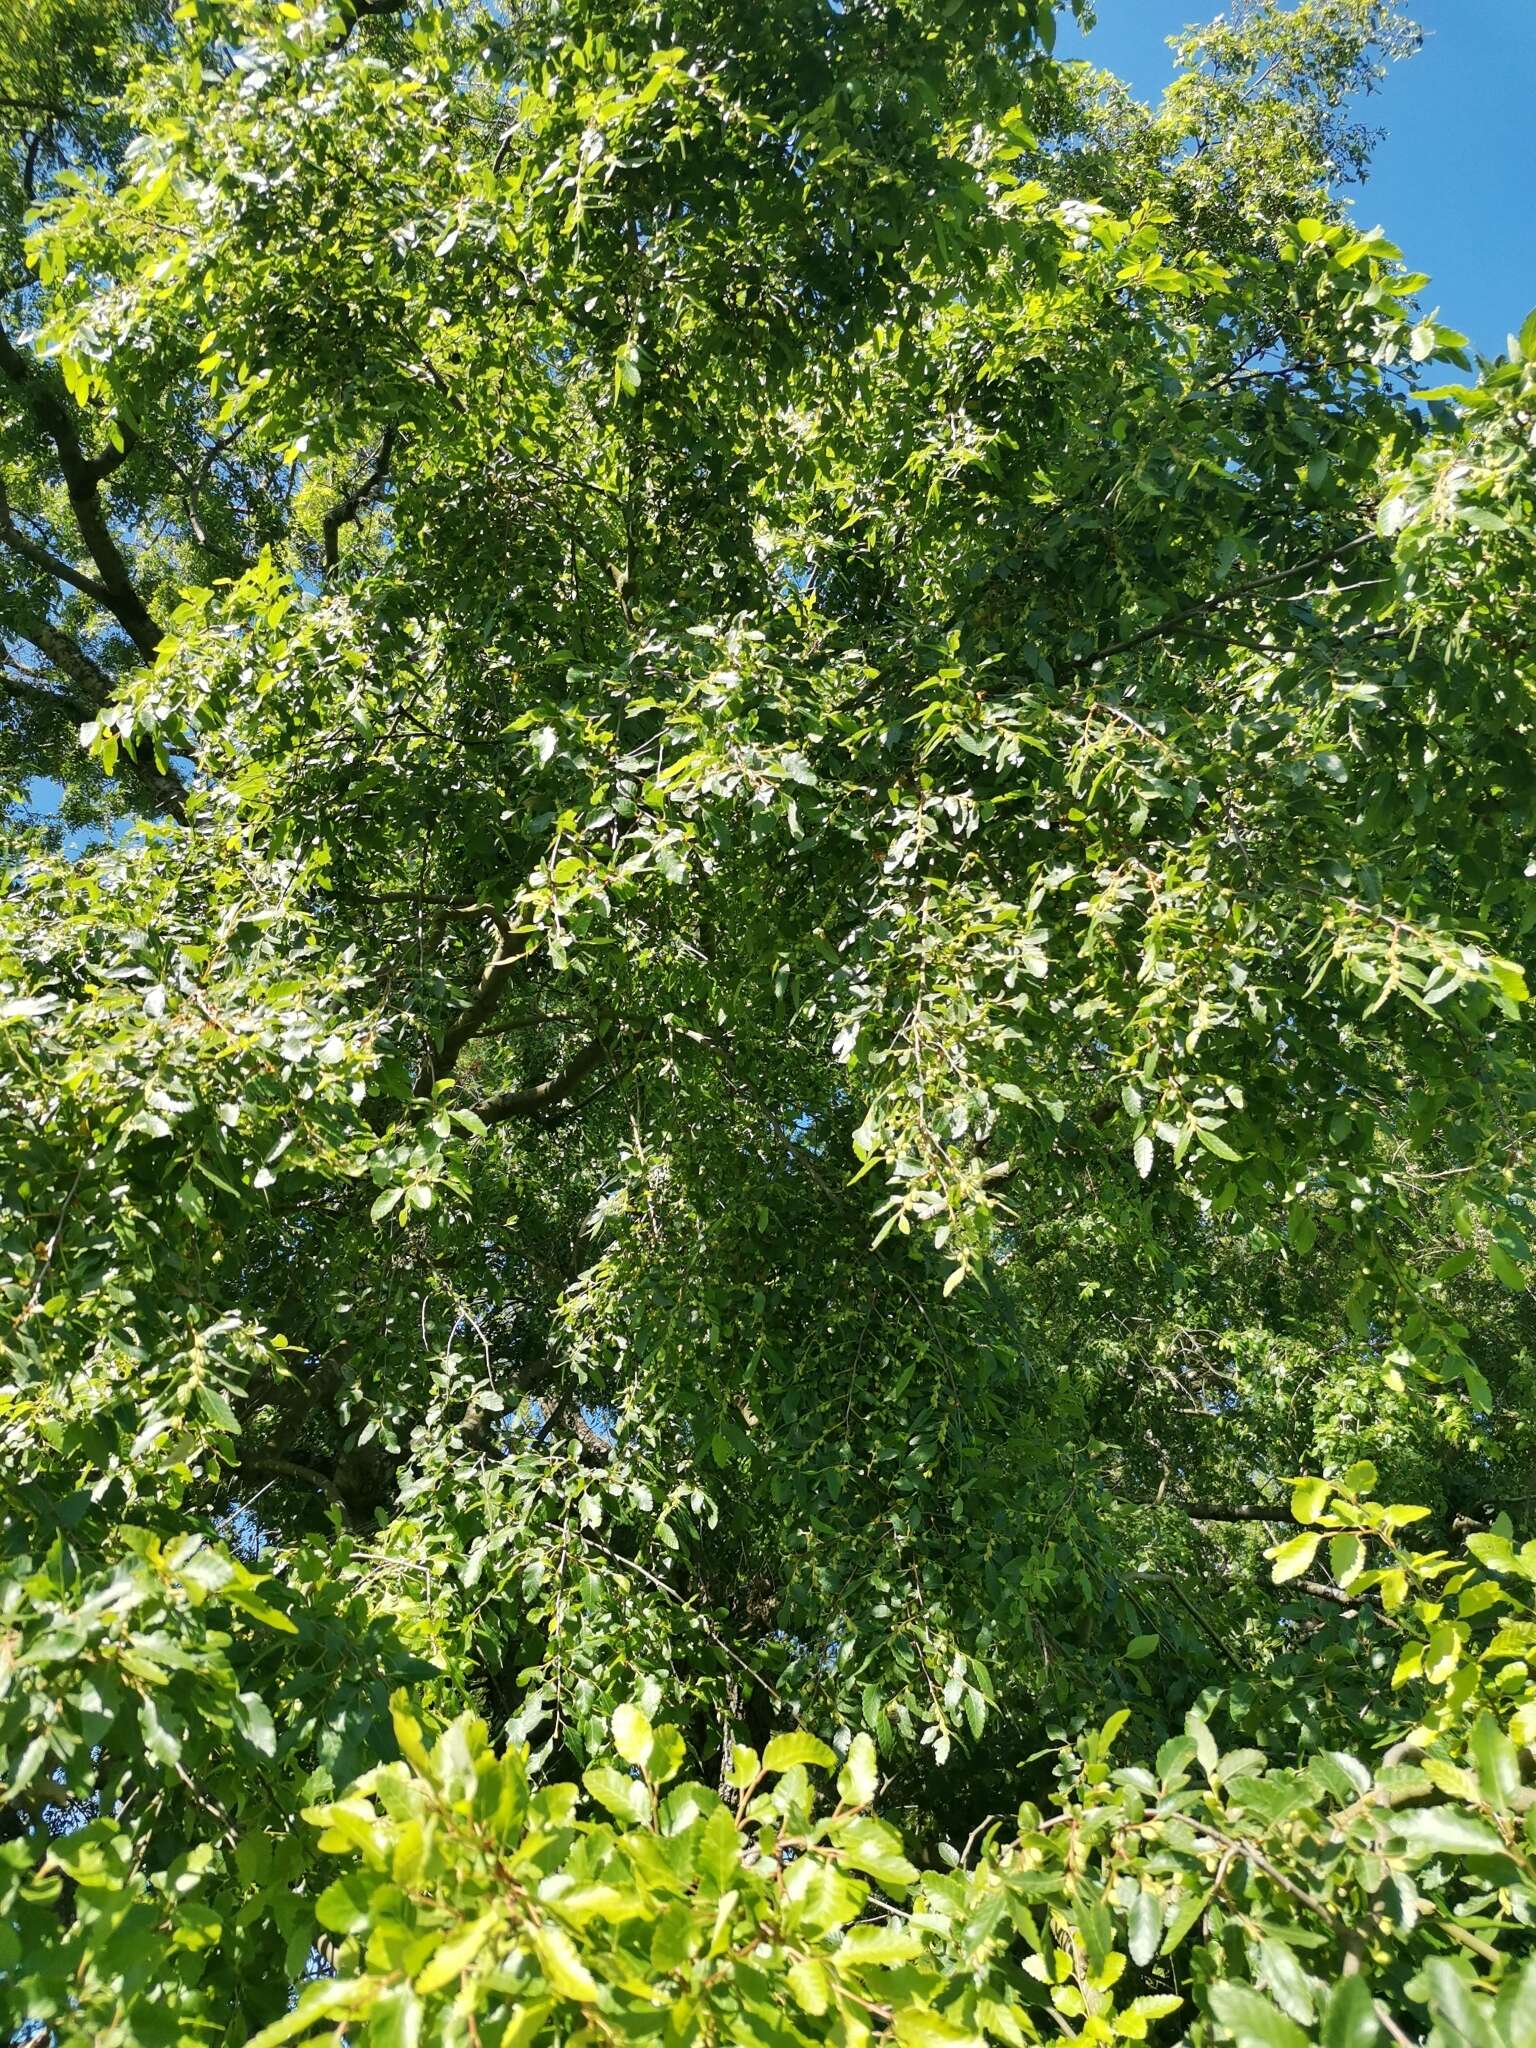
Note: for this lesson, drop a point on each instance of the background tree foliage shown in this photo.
(818, 973)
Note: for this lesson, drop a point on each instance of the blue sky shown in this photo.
(1455, 178)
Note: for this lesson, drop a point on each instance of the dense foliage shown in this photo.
(764, 1198)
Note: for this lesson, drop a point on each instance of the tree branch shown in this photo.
(42, 558)
(471, 1020)
(83, 476)
(302, 1475)
(1334, 1594)
(347, 508)
(1205, 1511)
(91, 682)
(19, 685)
(89, 689)
(1208, 1511)
(544, 1095)
(1177, 621)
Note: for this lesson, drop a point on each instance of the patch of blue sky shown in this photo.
(1453, 175)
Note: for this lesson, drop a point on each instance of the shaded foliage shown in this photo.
(820, 964)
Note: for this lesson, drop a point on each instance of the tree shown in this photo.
(818, 976)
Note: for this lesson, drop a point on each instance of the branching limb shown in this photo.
(1178, 622)
(479, 1016)
(546, 1095)
(347, 508)
(471, 1020)
(85, 689)
(33, 551)
(113, 586)
(1211, 1511)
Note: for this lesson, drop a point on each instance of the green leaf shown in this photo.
(1505, 1270)
(1346, 1558)
(346, 1905)
(857, 1780)
(809, 1985)
(215, 1405)
(1217, 1145)
(1293, 1558)
(918, 2027)
(1286, 1981)
(1144, 1927)
(625, 1798)
(394, 2021)
(161, 1739)
(1251, 2021)
(449, 1963)
(1498, 1764)
(1180, 1923)
(1496, 1552)
(330, 1999)
(1444, 1831)
(874, 1847)
(667, 1754)
(1349, 2018)
(745, 1766)
(878, 1947)
(568, 1975)
(631, 1734)
(1515, 2006)
(1309, 1498)
(720, 1849)
(785, 1751)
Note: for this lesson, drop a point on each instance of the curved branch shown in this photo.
(347, 508)
(42, 558)
(1207, 1511)
(1214, 1511)
(88, 688)
(471, 1020)
(1178, 622)
(39, 390)
(544, 1095)
(302, 1475)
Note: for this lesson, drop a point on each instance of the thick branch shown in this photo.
(479, 1015)
(1218, 600)
(471, 1020)
(112, 458)
(83, 477)
(92, 684)
(1205, 1511)
(347, 508)
(18, 685)
(1208, 1511)
(43, 558)
(544, 1095)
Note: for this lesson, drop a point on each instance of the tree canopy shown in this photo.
(765, 1189)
